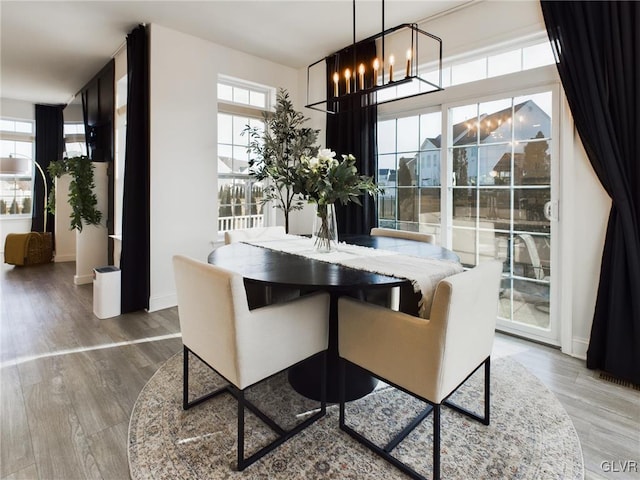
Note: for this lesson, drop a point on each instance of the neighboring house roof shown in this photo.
(504, 164)
(464, 132)
(226, 164)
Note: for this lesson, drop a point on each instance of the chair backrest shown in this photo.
(463, 314)
(209, 301)
(389, 232)
(260, 233)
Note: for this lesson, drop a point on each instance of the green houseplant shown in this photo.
(82, 198)
(277, 152)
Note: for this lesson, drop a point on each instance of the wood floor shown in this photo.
(69, 382)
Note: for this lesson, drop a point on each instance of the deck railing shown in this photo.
(239, 222)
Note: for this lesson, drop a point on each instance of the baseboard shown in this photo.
(71, 257)
(83, 279)
(579, 347)
(162, 302)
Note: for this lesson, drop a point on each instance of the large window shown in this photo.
(240, 105)
(16, 174)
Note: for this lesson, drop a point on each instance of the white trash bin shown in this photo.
(106, 292)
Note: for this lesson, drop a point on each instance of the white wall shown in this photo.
(588, 225)
(17, 109)
(65, 237)
(91, 243)
(484, 24)
(184, 75)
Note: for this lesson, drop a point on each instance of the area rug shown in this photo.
(530, 435)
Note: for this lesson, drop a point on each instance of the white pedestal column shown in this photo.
(91, 243)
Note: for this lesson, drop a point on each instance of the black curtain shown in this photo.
(134, 260)
(49, 148)
(352, 129)
(598, 50)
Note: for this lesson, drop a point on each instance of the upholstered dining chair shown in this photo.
(261, 295)
(257, 234)
(390, 232)
(428, 359)
(392, 300)
(245, 346)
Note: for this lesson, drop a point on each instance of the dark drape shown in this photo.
(49, 148)
(598, 50)
(353, 130)
(134, 260)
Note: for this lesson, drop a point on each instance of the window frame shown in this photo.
(22, 137)
(227, 107)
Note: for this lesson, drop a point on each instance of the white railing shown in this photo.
(239, 222)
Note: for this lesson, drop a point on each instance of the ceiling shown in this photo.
(51, 49)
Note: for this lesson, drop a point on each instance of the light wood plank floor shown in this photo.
(69, 382)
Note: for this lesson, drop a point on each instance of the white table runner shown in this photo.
(424, 273)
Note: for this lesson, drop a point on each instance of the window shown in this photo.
(478, 66)
(501, 166)
(16, 174)
(409, 171)
(240, 105)
(74, 140)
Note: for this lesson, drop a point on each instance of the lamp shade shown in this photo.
(15, 165)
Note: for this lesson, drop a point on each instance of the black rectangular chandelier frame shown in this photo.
(366, 93)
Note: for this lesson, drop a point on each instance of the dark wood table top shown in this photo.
(257, 264)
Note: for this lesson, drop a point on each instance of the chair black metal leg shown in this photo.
(487, 396)
(487, 391)
(185, 377)
(436, 442)
(341, 381)
(240, 400)
(437, 415)
(244, 403)
(186, 404)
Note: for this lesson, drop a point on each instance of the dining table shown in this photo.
(267, 268)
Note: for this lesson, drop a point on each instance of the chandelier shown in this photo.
(397, 63)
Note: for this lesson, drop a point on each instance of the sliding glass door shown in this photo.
(486, 186)
(502, 161)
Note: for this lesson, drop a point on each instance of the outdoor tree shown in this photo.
(537, 161)
(406, 200)
(277, 151)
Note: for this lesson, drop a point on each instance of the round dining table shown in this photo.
(263, 267)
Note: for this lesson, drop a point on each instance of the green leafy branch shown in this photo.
(277, 151)
(82, 198)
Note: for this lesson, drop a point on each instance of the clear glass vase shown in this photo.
(325, 229)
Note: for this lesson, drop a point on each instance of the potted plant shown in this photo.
(324, 180)
(82, 198)
(277, 152)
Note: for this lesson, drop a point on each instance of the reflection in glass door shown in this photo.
(501, 157)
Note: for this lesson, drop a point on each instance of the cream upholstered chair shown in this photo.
(257, 234)
(261, 295)
(428, 359)
(393, 300)
(245, 346)
(390, 232)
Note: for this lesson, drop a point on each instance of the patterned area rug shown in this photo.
(530, 436)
